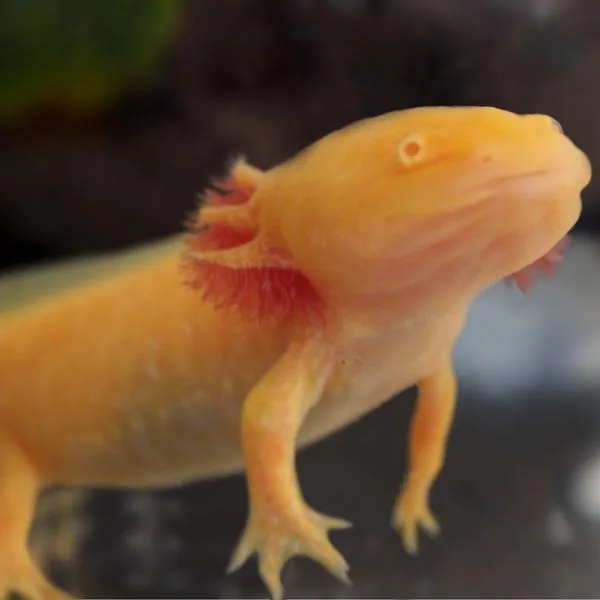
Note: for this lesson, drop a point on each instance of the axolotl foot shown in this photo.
(278, 536)
(411, 513)
(20, 579)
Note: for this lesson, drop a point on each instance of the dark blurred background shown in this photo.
(114, 115)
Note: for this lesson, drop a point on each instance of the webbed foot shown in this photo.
(278, 537)
(410, 514)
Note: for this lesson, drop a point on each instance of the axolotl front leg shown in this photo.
(430, 427)
(280, 523)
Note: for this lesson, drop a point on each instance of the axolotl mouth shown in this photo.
(546, 264)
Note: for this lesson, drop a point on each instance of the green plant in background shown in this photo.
(79, 54)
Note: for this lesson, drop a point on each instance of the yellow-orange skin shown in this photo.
(134, 380)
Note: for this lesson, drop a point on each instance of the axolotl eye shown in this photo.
(412, 150)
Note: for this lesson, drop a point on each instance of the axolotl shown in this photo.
(301, 298)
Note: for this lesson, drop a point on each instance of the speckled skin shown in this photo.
(134, 380)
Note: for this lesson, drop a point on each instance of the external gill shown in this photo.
(548, 264)
(235, 265)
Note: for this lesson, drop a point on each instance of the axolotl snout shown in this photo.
(305, 296)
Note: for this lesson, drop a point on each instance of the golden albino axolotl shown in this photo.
(303, 298)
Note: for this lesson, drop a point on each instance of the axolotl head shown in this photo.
(424, 204)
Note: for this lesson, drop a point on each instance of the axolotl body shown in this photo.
(302, 298)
